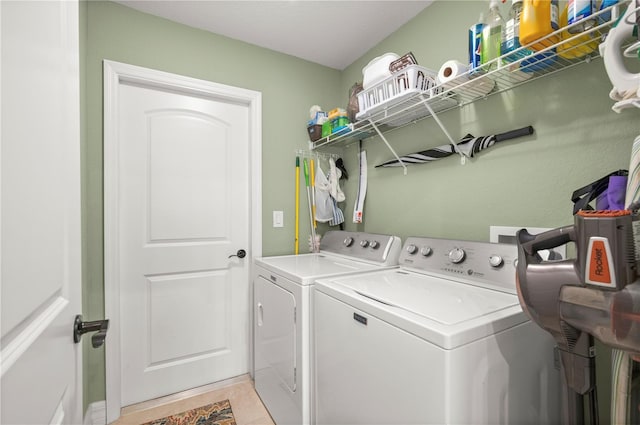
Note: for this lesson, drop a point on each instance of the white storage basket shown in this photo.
(409, 81)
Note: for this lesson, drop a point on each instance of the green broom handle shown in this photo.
(306, 172)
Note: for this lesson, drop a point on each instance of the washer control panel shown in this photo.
(378, 248)
(491, 265)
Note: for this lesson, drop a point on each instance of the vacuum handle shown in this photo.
(547, 240)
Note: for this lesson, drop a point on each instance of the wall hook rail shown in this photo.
(316, 155)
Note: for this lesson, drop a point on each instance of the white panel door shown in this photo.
(183, 211)
(40, 213)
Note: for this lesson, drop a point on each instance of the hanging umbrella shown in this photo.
(468, 146)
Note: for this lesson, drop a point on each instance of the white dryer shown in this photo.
(282, 314)
(440, 340)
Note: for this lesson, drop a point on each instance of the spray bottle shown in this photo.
(539, 19)
(492, 37)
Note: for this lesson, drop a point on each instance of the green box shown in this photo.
(339, 123)
(326, 128)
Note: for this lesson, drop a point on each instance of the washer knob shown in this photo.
(496, 261)
(364, 243)
(426, 251)
(412, 249)
(375, 244)
(457, 255)
(348, 241)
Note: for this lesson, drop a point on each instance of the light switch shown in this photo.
(278, 219)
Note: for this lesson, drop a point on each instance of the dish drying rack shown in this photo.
(418, 102)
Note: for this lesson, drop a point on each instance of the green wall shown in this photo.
(524, 182)
(289, 87)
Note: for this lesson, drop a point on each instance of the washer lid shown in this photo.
(306, 268)
(443, 301)
(445, 312)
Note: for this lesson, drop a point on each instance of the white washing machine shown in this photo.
(282, 314)
(440, 340)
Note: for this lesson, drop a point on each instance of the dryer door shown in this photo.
(275, 335)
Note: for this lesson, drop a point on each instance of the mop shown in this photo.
(316, 238)
(312, 243)
(297, 231)
(313, 192)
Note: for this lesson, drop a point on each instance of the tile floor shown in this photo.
(245, 403)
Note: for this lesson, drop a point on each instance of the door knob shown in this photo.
(240, 254)
(80, 328)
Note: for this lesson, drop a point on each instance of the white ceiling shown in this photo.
(333, 33)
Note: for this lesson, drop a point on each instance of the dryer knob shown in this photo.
(412, 249)
(375, 244)
(348, 241)
(496, 261)
(426, 251)
(456, 255)
(364, 243)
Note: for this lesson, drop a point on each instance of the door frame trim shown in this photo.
(116, 73)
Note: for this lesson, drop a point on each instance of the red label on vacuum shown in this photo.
(599, 263)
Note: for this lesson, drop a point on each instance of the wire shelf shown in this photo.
(506, 72)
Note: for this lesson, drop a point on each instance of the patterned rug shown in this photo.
(212, 414)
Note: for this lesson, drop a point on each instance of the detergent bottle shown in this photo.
(491, 37)
(511, 43)
(575, 47)
(539, 19)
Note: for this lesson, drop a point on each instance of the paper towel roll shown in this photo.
(453, 70)
(454, 75)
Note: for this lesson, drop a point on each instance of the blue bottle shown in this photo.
(606, 16)
(579, 13)
(511, 33)
(475, 40)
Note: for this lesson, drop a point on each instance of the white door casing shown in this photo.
(182, 194)
(40, 365)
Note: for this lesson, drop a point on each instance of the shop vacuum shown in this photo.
(595, 295)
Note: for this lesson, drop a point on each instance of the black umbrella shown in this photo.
(468, 146)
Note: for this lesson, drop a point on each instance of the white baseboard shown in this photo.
(96, 413)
